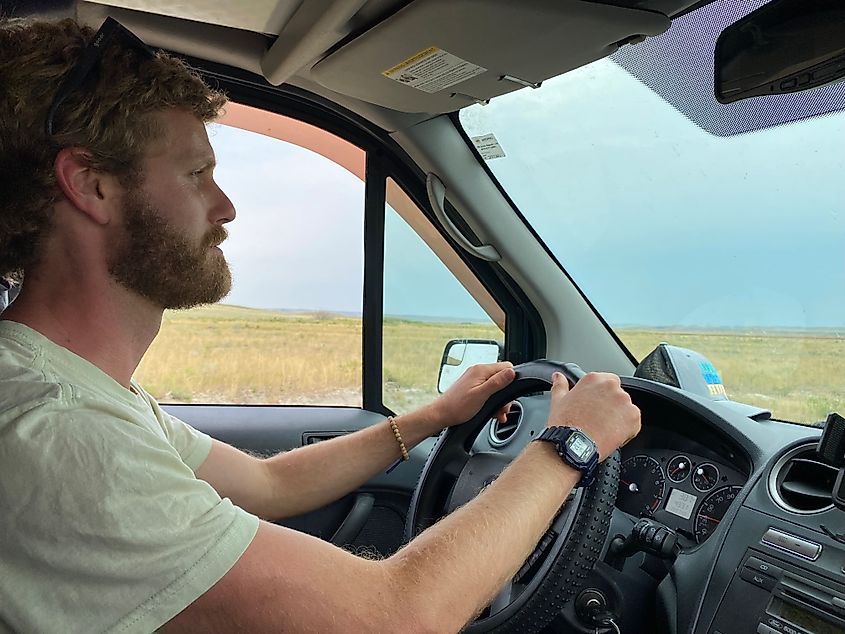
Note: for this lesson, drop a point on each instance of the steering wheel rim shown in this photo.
(572, 544)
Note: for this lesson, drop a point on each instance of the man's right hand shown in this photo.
(597, 405)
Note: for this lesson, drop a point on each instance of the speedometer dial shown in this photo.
(712, 510)
(641, 486)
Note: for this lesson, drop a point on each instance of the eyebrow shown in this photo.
(207, 162)
(197, 161)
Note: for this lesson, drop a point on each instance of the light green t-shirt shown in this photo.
(103, 525)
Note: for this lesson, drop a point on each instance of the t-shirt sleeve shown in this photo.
(193, 445)
(116, 526)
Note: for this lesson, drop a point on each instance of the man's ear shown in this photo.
(96, 194)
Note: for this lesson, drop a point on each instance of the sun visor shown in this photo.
(438, 56)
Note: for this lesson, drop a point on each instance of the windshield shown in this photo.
(710, 237)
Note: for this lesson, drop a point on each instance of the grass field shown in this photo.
(227, 354)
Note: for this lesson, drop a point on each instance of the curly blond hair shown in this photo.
(111, 115)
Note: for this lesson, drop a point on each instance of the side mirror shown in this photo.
(782, 47)
(461, 354)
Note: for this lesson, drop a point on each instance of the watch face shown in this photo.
(580, 445)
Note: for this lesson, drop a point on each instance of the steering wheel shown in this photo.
(557, 569)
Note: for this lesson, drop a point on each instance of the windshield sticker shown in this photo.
(433, 70)
(488, 146)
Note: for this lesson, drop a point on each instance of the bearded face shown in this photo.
(165, 266)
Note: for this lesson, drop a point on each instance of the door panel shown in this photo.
(267, 430)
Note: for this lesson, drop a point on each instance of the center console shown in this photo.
(773, 595)
(777, 573)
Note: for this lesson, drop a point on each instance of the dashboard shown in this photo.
(747, 560)
(680, 471)
(685, 491)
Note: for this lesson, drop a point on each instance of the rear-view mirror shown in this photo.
(783, 47)
(461, 354)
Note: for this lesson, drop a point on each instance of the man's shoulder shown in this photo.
(28, 355)
(38, 377)
(23, 381)
(25, 390)
(37, 412)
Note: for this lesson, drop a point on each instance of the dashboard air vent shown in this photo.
(502, 433)
(801, 482)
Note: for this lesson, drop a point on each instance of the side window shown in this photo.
(290, 330)
(430, 297)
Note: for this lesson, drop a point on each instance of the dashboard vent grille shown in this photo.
(502, 433)
(801, 482)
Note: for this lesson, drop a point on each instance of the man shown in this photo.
(118, 517)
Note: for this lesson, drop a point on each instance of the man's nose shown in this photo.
(224, 210)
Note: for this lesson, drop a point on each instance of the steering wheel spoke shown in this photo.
(455, 466)
(503, 599)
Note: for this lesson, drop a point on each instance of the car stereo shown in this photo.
(768, 596)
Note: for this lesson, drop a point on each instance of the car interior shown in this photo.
(719, 518)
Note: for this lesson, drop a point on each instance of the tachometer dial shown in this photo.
(678, 468)
(712, 510)
(641, 486)
(705, 477)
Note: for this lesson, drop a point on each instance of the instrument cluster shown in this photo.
(686, 492)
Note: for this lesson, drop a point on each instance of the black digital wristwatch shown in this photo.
(576, 449)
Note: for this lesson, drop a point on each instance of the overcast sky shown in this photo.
(665, 224)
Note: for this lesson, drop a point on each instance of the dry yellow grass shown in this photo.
(227, 354)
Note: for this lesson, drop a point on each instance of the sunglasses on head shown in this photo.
(110, 31)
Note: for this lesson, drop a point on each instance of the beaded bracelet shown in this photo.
(395, 429)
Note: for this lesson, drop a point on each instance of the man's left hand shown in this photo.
(465, 397)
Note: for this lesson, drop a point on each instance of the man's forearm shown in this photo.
(481, 545)
(436, 583)
(310, 477)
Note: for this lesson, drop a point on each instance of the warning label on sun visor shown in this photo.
(433, 70)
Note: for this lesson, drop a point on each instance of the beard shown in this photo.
(159, 263)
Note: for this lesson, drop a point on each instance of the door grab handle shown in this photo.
(436, 197)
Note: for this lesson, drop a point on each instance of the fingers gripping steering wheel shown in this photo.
(557, 569)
